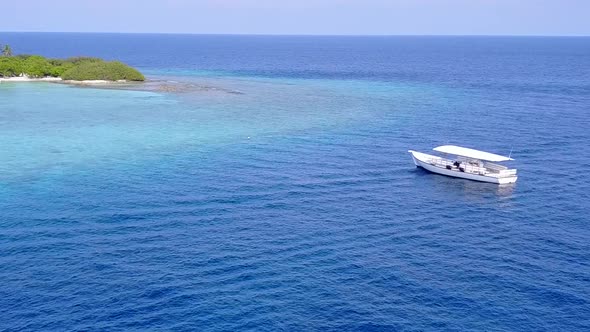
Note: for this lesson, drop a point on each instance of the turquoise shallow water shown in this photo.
(52, 127)
(285, 199)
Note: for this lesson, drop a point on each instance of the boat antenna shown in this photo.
(510, 154)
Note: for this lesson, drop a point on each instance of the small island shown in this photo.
(77, 69)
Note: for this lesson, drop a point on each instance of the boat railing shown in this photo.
(495, 167)
(507, 173)
(465, 166)
(499, 170)
(440, 162)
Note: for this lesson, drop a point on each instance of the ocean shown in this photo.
(278, 195)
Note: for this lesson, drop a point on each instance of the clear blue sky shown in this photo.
(381, 17)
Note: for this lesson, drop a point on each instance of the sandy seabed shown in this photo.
(149, 85)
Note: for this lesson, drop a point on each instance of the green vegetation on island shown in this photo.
(77, 69)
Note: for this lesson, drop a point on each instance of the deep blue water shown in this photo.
(282, 197)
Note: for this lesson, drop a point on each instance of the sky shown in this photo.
(302, 17)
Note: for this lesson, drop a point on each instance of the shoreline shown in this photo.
(149, 85)
(20, 79)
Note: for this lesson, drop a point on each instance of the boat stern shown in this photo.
(507, 180)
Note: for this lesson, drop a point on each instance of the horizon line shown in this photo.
(301, 35)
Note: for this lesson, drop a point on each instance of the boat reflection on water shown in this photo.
(474, 188)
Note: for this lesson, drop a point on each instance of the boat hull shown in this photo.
(421, 160)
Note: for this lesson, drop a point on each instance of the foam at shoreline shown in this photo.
(57, 79)
(29, 79)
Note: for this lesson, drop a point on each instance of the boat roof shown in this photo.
(471, 153)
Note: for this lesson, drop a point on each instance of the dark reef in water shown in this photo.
(160, 85)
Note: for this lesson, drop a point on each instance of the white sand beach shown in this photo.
(29, 79)
(58, 80)
(92, 82)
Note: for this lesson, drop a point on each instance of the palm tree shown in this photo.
(6, 51)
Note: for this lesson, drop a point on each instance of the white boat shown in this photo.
(466, 163)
